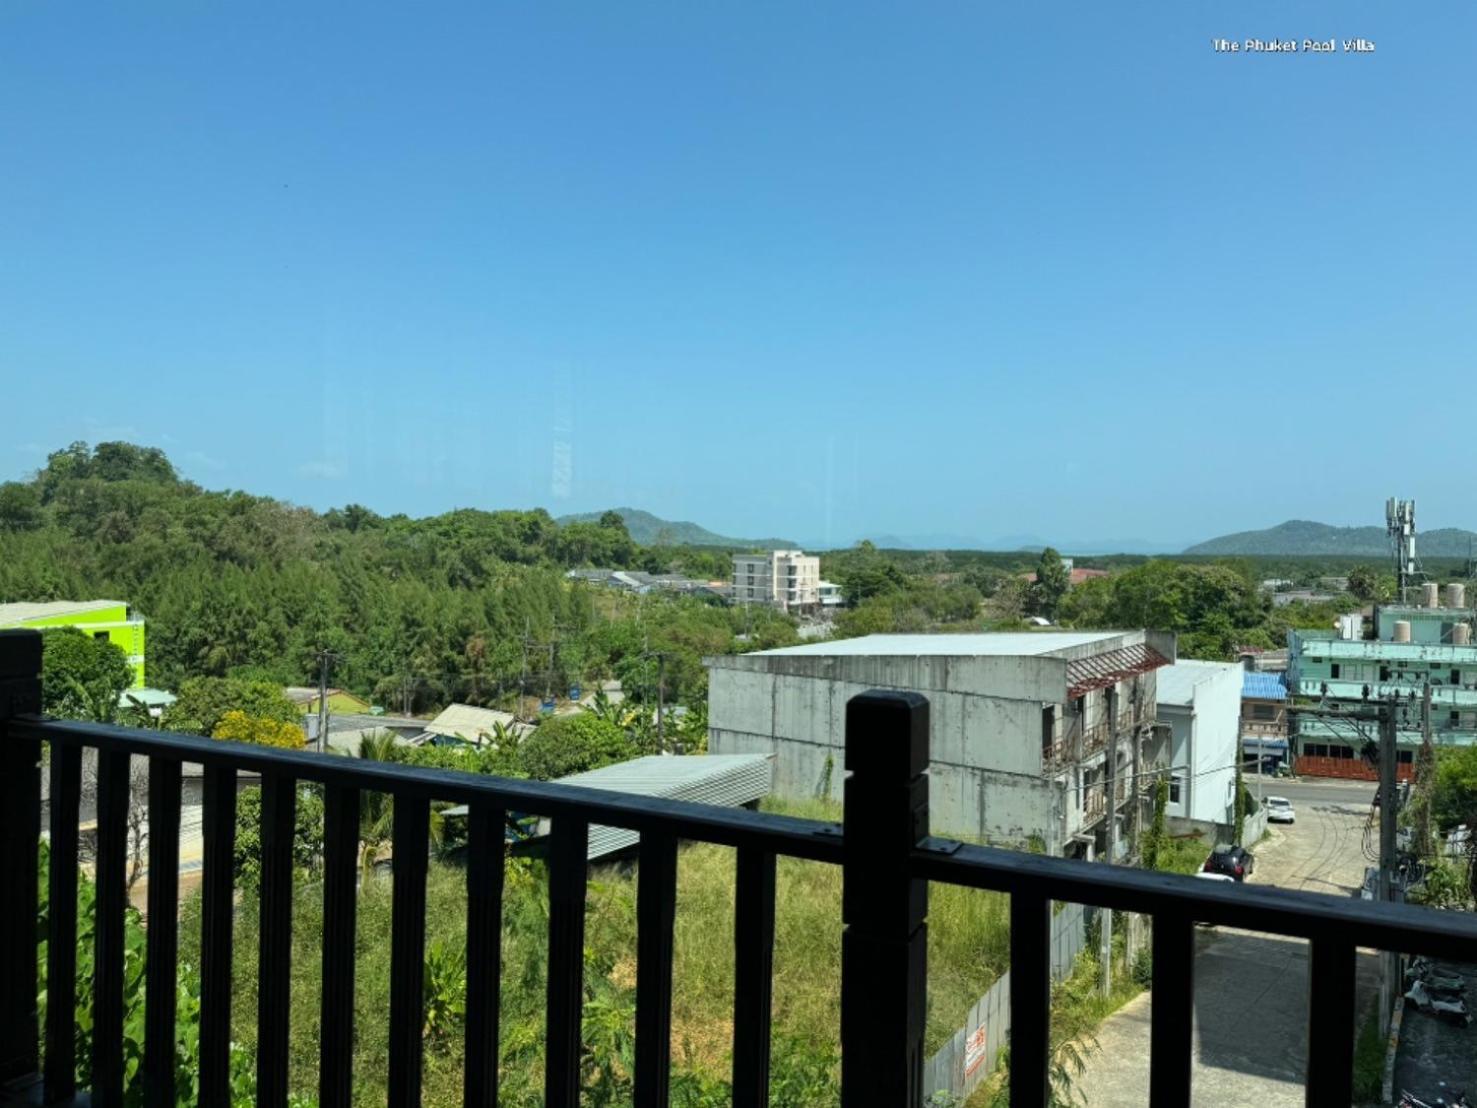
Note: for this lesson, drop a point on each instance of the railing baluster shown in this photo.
(110, 903)
(1331, 1022)
(753, 972)
(485, 847)
(161, 984)
(1172, 1010)
(1030, 998)
(61, 946)
(408, 948)
(216, 912)
(340, 886)
(20, 844)
(274, 958)
(884, 941)
(566, 986)
(656, 903)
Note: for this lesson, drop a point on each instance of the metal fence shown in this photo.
(887, 859)
(969, 1057)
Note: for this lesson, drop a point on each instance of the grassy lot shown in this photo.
(968, 949)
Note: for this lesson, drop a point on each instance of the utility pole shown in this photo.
(661, 682)
(1110, 816)
(325, 659)
(1389, 802)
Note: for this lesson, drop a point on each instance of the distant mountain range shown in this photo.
(1029, 543)
(1301, 536)
(650, 530)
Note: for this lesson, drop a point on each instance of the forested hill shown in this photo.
(650, 530)
(1298, 536)
(467, 606)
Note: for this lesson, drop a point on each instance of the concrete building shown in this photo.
(1200, 702)
(1263, 717)
(102, 619)
(1021, 724)
(1414, 648)
(786, 579)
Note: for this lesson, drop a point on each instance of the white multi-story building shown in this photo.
(787, 579)
(1201, 704)
(1022, 725)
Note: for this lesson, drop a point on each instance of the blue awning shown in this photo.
(1263, 746)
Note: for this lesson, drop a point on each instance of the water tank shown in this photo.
(1402, 630)
(1461, 634)
(1433, 594)
(1456, 595)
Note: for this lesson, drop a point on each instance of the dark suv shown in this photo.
(1233, 861)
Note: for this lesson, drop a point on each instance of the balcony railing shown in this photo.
(884, 849)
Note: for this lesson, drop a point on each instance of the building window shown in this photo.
(1334, 671)
(1456, 677)
(1174, 790)
(1384, 673)
(103, 635)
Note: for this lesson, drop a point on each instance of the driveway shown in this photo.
(1251, 989)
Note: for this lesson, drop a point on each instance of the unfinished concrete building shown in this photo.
(1022, 723)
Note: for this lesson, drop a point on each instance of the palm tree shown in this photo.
(376, 810)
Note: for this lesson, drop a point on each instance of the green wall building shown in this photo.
(102, 619)
(1413, 648)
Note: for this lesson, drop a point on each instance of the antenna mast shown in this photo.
(1400, 526)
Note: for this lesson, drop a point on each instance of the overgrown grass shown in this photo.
(1078, 1007)
(968, 943)
(1369, 1059)
(1183, 855)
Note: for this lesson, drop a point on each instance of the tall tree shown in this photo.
(81, 677)
(1052, 581)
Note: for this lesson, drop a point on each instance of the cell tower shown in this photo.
(1400, 526)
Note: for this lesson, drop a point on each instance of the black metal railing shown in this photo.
(884, 848)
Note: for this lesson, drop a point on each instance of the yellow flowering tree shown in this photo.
(242, 728)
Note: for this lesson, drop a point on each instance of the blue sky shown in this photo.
(818, 270)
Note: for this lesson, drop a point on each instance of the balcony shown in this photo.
(883, 848)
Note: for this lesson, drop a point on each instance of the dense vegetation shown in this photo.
(470, 606)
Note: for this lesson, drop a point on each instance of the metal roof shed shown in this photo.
(727, 780)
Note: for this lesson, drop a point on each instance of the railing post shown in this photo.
(20, 840)
(883, 908)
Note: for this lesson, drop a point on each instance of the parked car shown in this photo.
(1235, 862)
(1280, 810)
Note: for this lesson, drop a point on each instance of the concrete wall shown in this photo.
(802, 721)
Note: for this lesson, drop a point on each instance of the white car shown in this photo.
(1279, 810)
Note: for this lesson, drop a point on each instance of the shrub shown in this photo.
(572, 744)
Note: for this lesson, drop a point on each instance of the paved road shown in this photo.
(1251, 989)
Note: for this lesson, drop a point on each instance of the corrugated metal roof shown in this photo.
(725, 780)
(1176, 684)
(20, 612)
(471, 723)
(1263, 686)
(1111, 666)
(999, 643)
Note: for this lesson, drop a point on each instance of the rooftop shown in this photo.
(997, 644)
(1176, 684)
(50, 609)
(1262, 686)
(471, 723)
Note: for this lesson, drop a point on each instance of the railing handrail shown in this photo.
(1264, 908)
(814, 840)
